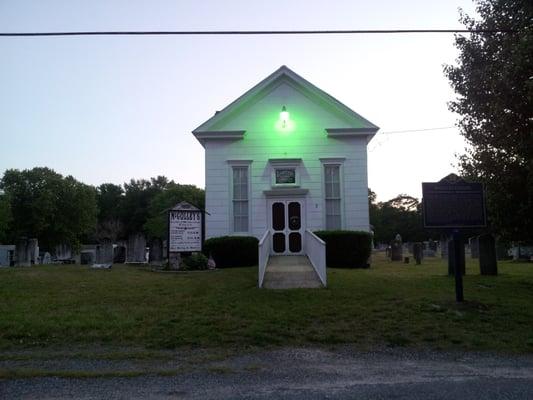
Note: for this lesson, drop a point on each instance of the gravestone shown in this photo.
(474, 247)
(431, 249)
(174, 260)
(119, 254)
(488, 264)
(87, 254)
(46, 258)
(63, 252)
(418, 252)
(136, 251)
(502, 251)
(467, 249)
(33, 250)
(102, 266)
(104, 252)
(429, 253)
(211, 264)
(452, 259)
(6, 255)
(22, 253)
(87, 257)
(521, 251)
(397, 249)
(156, 252)
(444, 248)
(165, 249)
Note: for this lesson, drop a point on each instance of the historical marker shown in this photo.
(453, 205)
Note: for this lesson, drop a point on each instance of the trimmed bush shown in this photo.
(195, 262)
(232, 251)
(346, 249)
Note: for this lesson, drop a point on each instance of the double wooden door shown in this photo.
(287, 226)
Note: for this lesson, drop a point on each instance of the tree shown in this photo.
(48, 206)
(5, 217)
(137, 197)
(77, 213)
(405, 202)
(494, 83)
(402, 214)
(109, 198)
(156, 225)
(373, 210)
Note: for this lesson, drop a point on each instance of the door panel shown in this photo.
(295, 242)
(294, 216)
(278, 216)
(278, 242)
(287, 226)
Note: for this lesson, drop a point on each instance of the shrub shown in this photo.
(196, 261)
(346, 249)
(232, 251)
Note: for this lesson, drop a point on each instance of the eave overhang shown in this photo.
(218, 135)
(352, 132)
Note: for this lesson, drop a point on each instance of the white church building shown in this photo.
(284, 159)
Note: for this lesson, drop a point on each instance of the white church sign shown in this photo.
(184, 228)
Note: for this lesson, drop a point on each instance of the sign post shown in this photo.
(453, 206)
(458, 271)
(185, 231)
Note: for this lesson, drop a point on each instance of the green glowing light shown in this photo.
(284, 124)
(284, 117)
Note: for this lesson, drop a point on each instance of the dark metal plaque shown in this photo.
(453, 205)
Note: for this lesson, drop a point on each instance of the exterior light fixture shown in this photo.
(284, 117)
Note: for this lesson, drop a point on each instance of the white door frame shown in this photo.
(286, 231)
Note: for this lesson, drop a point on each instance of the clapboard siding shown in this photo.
(308, 141)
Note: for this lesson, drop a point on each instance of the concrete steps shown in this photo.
(289, 272)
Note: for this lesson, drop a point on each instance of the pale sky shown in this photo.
(107, 109)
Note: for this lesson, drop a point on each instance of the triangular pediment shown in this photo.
(353, 123)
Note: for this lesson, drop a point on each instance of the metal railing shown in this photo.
(264, 253)
(316, 252)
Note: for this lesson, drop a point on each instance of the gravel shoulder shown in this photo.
(299, 373)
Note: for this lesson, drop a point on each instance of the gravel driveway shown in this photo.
(288, 373)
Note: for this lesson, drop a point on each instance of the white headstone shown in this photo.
(46, 258)
(136, 250)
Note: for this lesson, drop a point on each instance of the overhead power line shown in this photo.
(255, 32)
(378, 143)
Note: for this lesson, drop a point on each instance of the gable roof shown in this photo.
(361, 125)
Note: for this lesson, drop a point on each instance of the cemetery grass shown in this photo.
(388, 305)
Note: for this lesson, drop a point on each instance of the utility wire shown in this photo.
(378, 144)
(254, 32)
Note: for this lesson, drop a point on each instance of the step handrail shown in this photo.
(264, 253)
(316, 252)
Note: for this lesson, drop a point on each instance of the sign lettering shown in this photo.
(453, 205)
(185, 230)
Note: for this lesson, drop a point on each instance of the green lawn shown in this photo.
(391, 304)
